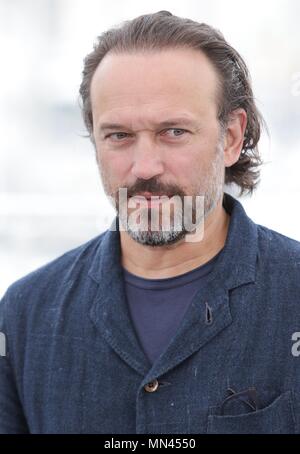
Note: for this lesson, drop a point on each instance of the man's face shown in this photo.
(138, 93)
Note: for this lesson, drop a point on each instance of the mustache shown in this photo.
(153, 186)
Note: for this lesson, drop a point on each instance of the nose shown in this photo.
(147, 159)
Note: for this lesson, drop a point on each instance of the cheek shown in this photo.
(186, 164)
(191, 169)
(180, 166)
(113, 164)
(183, 171)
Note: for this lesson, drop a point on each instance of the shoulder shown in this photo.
(278, 264)
(47, 281)
(277, 248)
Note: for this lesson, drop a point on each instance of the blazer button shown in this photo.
(151, 387)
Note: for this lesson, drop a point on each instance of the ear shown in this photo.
(234, 136)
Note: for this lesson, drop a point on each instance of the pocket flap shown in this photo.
(276, 418)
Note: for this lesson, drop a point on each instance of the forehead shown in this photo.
(152, 83)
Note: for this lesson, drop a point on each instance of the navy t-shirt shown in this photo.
(157, 306)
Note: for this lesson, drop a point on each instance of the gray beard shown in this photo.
(178, 230)
(213, 185)
(156, 238)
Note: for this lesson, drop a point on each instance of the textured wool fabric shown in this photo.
(71, 361)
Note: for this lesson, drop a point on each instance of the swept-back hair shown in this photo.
(162, 30)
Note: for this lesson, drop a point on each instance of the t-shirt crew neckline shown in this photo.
(171, 282)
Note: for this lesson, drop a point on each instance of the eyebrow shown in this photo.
(164, 124)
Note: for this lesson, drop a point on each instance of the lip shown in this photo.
(148, 195)
(152, 200)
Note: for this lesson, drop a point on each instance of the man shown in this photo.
(192, 328)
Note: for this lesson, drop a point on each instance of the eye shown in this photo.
(176, 131)
(117, 134)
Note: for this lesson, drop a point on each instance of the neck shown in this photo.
(179, 258)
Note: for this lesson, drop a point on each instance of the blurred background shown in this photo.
(51, 197)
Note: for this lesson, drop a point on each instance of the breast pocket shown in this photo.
(276, 418)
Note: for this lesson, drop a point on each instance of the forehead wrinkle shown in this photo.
(194, 83)
(176, 121)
